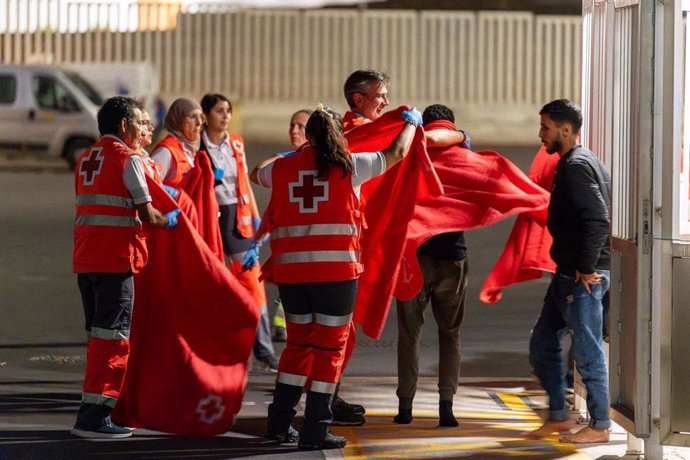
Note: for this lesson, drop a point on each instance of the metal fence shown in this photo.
(496, 58)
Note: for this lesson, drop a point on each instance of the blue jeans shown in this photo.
(568, 305)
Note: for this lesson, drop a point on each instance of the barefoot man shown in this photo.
(579, 222)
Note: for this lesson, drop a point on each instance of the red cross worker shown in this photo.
(315, 222)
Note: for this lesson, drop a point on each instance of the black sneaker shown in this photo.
(329, 442)
(107, 431)
(345, 414)
(348, 420)
(339, 405)
(291, 435)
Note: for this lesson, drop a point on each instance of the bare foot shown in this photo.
(550, 427)
(587, 435)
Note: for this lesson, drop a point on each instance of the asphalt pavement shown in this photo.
(42, 356)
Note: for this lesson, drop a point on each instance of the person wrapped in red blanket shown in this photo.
(366, 93)
(479, 189)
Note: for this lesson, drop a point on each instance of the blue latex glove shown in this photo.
(218, 174)
(172, 218)
(251, 257)
(413, 115)
(256, 221)
(172, 191)
(467, 143)
(285, 154)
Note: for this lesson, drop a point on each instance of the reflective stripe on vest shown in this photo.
(112, 221)
(244, 199)
(317, 256)
(292, 379)
(294, 231)
(105, 200)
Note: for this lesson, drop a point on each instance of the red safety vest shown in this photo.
(179, 157)
(315, 224)
(108, 237)
(351, 120)
(246, 207)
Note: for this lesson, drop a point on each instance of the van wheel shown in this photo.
(74, 148)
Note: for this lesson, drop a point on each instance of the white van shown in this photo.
(47, 111)
(138, 80)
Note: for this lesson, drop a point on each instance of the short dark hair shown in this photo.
(113, 111)
(564, 111)
(437, 112)
(211, 99)
(359, 81)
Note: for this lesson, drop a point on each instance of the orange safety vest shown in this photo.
(315, 224)
(246, 207)
(179, 157)
(108, 236)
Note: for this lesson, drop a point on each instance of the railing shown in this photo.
(456, 57)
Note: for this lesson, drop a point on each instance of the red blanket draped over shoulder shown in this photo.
(390, 200)
(199, 186)
(192, 332)
(481, 188)
(526, 254)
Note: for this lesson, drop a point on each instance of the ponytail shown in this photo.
(325, 133)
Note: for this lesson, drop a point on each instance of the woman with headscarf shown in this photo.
(315, 222)
(184, 169)
(176, 153)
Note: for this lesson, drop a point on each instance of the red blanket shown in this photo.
(526, 254)
(192, 334)
(199, 185)
(390, 201)
(481, 188)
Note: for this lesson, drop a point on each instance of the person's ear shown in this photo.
(358, 98)
(123, 126)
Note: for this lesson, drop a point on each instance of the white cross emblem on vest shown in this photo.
(91, 165)
(308, 191)
(210, 409)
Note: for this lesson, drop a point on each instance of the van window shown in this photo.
(50, 94)
(8, 89)
(85, 88)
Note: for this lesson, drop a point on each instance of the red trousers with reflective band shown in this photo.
(315, 351)
(106, 361)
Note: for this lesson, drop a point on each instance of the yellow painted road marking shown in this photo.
(482, 434)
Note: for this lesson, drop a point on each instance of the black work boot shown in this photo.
(281, 412)
(317, 415)
(330, 441)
